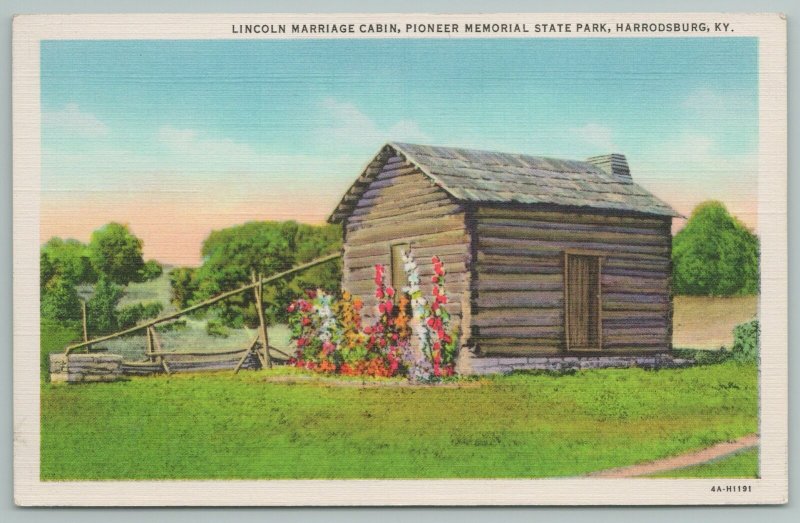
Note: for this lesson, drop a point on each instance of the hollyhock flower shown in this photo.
(291, 307)
(306, 321)
(390, 291)
(311, 293)
(302, 342)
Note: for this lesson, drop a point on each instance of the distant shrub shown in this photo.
(217, 328)
(715, 254)
(746, 342)
(703, 356)
(150, 271)
(133, 314)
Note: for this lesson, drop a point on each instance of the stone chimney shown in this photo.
(614, 164)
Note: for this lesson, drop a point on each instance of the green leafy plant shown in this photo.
(715, 254)
(746, 342)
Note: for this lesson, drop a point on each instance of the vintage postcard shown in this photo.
(384, 259)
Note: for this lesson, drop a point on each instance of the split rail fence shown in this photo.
(256, 354)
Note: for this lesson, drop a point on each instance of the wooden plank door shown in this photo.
(582, 303)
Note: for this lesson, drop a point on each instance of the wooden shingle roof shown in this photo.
(493, 177)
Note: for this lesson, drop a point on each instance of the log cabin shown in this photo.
(545, 258)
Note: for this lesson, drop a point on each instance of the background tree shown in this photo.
(68, 259)
(715, 254)
(101, 309)
(231, 254)
(60, 301)
(116, 253)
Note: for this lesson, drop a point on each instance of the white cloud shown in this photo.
(72, 120)
(598, 136)
(191, 143)
(350, 124)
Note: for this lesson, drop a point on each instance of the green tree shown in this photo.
(116, 253)
(230, 256)
(59, 300)
(68, 259)
(101, 310)
(150, 271)
(715, 254)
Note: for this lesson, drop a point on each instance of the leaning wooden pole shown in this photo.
(206, 303)
(262, 324)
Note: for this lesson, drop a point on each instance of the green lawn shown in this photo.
(740, 465)
(215, 426)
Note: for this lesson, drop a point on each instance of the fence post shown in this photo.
(257, 290)
(85, 329)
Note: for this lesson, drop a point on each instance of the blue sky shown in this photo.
(256, 124)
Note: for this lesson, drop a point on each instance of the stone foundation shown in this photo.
(84, 368)
(502, 365)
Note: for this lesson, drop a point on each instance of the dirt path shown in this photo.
(698, 457)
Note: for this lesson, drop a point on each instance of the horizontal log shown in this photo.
(546, 259)
(634, 315)
(635, 325)
(632, 308)
(521, 332)
(417, 184)
(559, 236)
(500, 299)
(634, 341)
(454, 237)
(484, 268)
(426, 213)
(403, 231)
(619, 297)
(655, 264)
(571, 226)
(493, 245)
(642, 273)
(517, 316)
(568, 217)
(631, 282)
(394, 207)
(634, 350)
(395, 170)
(519, 282)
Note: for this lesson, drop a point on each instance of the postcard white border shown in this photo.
(29, 490)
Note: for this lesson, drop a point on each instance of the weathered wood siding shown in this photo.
(402, 205)
(518, 279)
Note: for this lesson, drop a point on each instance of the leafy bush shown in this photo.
(150, 271)
(138, 312)
(101, 310)
(59, 300)
(746, 342)
(216, 328)
(116, 253)
(715, 254)
(231, 255)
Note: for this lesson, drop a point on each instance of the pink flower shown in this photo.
(390, 291)
(311, 293)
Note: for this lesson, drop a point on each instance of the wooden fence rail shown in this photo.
(257, 285)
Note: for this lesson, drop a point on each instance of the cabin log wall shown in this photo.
(402, 205)
(518, 279)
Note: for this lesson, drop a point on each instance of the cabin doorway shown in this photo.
(582, 304)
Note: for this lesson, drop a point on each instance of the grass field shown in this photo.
(701, 322)
(740, 465)
(526, 425)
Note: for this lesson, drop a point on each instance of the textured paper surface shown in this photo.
(31, 215)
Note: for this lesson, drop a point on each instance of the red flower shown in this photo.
(389, 307)
(311, 293)
(302, 342)
(382, 308)
(379, 293)
(367, 330)
(306, 321)
(390, 291)
(431, 322)
(292, 307)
